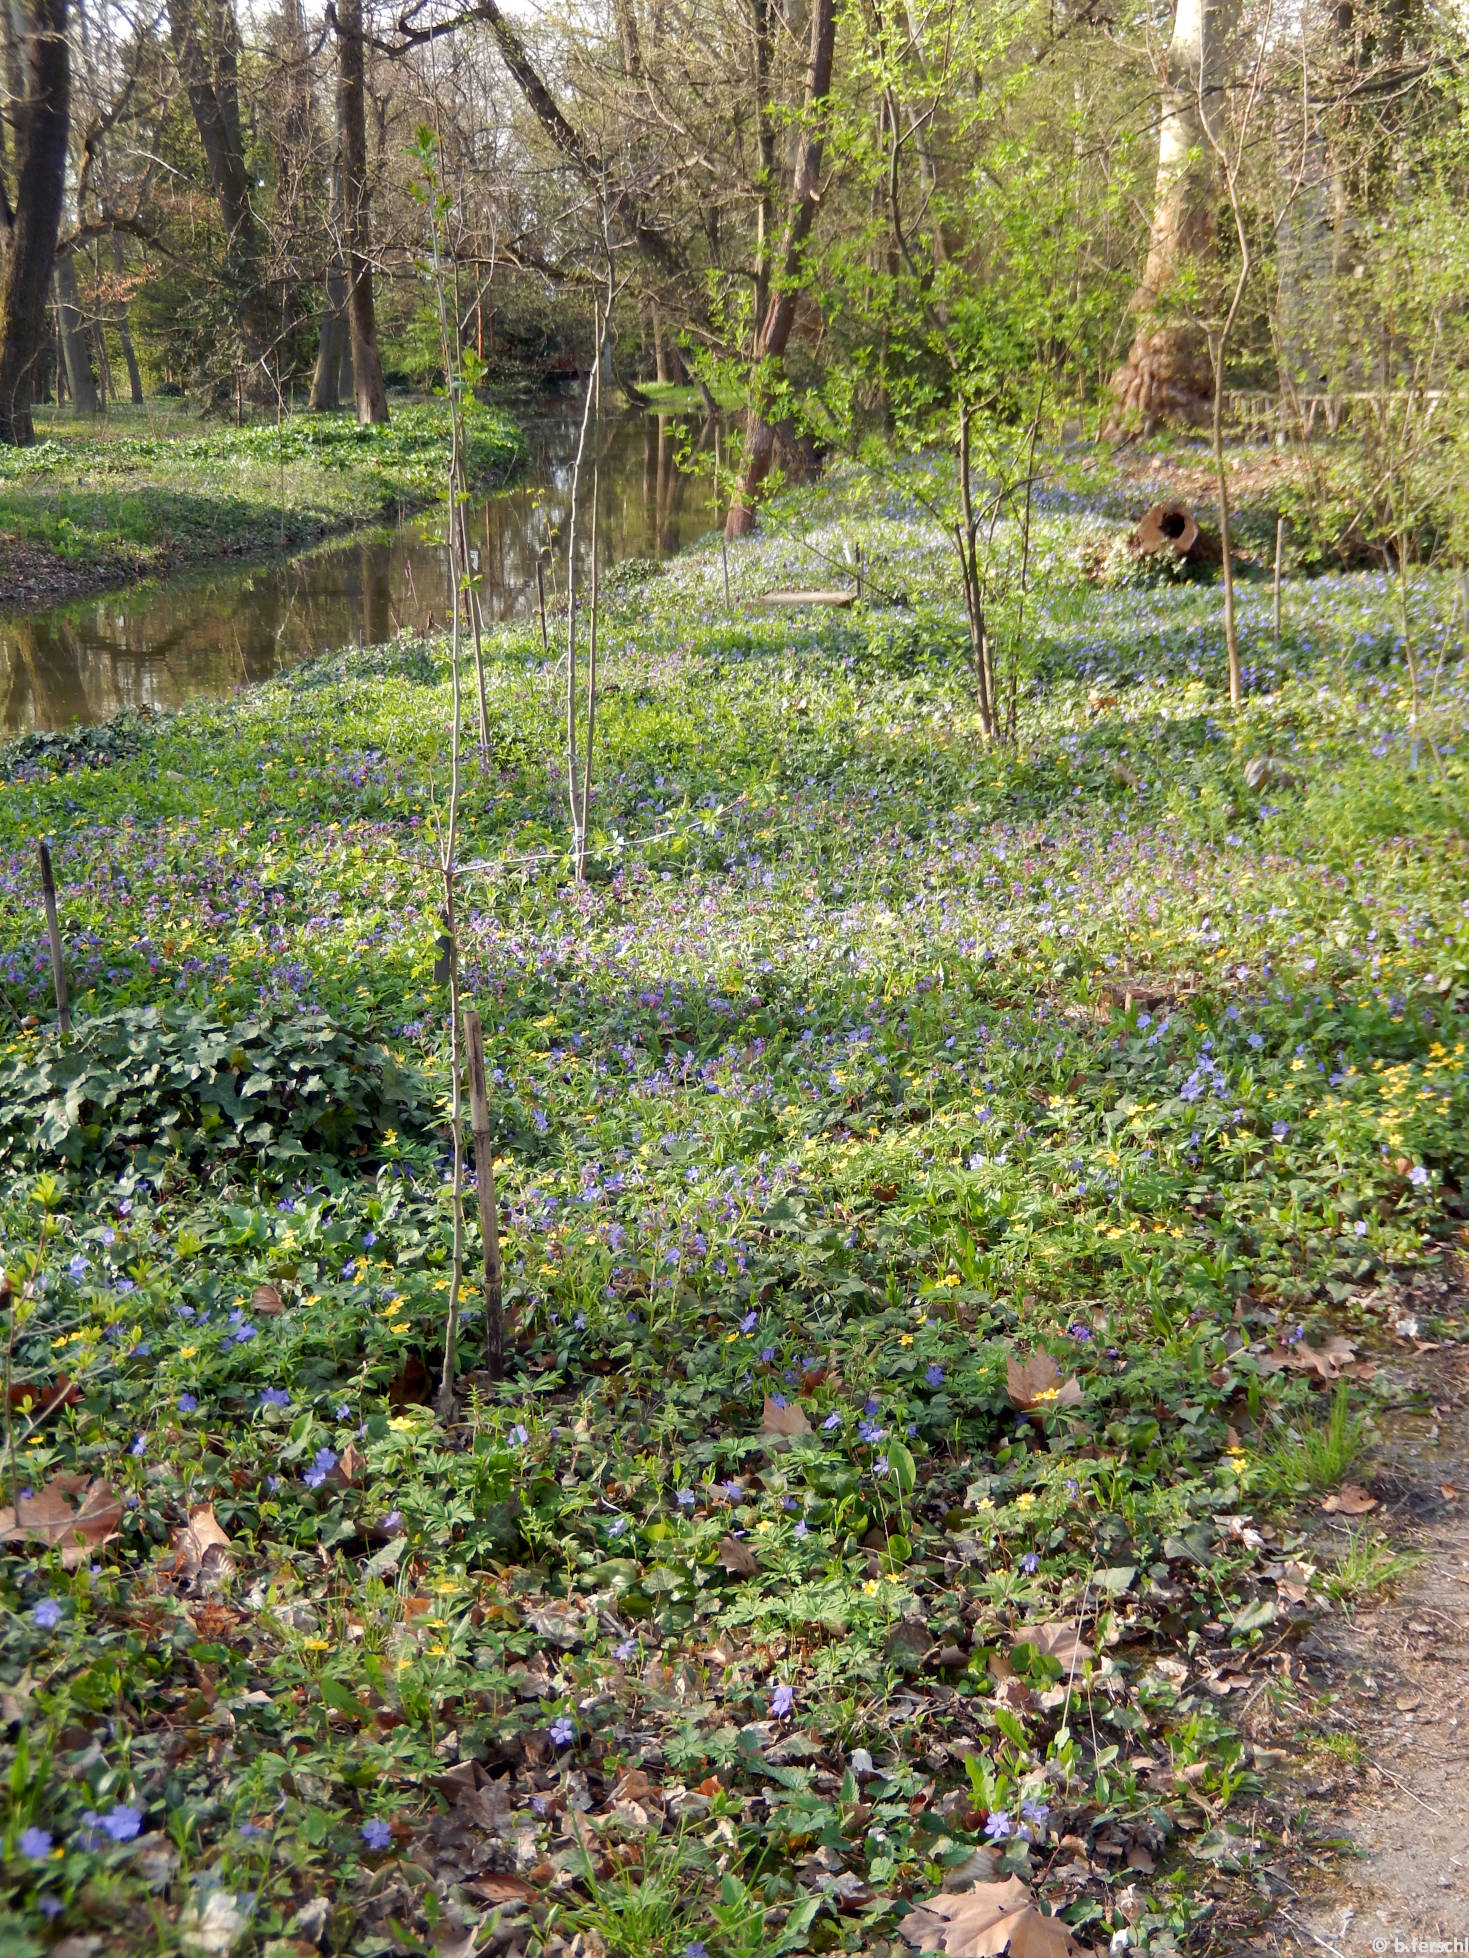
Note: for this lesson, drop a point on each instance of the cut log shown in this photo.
(1167, 530)
(807, 597)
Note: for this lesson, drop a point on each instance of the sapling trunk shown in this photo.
(53, 932)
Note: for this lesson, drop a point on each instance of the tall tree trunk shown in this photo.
(135, 379)
(1167, 376)
(41, 120)
(332, 343)
(209, 67)
(780, 313)
(367, 367)
(75, 339)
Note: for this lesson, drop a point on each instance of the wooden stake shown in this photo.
(1279, 553)
(541, 595)
(484, 1173)
(53, 927)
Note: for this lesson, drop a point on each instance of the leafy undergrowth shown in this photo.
(951, 1204)
(110, 505)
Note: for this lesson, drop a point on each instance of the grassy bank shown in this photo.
(147, 492)
(959, 1206)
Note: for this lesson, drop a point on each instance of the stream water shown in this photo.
(210, 631)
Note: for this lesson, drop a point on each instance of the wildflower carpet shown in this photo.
(963, 1211)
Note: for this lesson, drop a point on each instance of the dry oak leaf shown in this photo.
(787, 1420)
(201, 1543)
(1037, 1382)
(736, 1558)
(267, 1299)
(47, 1517)
(1350, 1500)
(986, 1920)
(1060, 1642)
(349, 1467)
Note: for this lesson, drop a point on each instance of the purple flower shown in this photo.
(685, 1499)
(47, 1614)
(871, 1432)
(935, 1376)
(698, 1949)
(1030, 1563)
(1079, 1331)
(274, 1397)
(1037, 1814)
(627, 1650)
(519, 1435)
(139, 1447)
(750, 1321)
(779, 1400)
(767, 1354)
(187, 1403)
(50, 1907)
(801, 1529)
(321, 1468)
(393, 1521)
(344, 1413)
(123, 1823)
(782, 1701)
(831, 1423)
(998, 1826)
(563, 1733)
(1418, 1176)
(880, 1466)
(34, 1844)
(376, 1833)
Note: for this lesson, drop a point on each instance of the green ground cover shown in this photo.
(147, 493)
(943, 1191)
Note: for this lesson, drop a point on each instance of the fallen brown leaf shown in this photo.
(986, 1920)
(737, 1558)
(1061, 1642)
(1350, 1500)
(201, 1544)
(1037, 1382)
(43, 1400)
(350, 1466)
(787, 1420)
(500, 1890)
(267, 1300)
(48, 1517)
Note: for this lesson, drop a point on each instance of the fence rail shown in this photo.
(1305, 415)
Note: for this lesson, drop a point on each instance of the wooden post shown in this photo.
(1279, 553)
(53, 927)
(541, 595)
(484, 1176)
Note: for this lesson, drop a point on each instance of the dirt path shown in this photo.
(1391, 1692)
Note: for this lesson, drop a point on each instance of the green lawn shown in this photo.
(946, 1193)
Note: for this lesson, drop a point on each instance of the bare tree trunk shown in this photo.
(135, 378)
(367, 367)
(75, 339)
(28, 234)
(1167, 375)
(209, 66)
(775, 328)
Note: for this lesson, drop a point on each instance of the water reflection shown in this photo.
(210, 632)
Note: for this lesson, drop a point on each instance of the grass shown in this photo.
(870, 1062)
(1318, 1456)
(148, 491)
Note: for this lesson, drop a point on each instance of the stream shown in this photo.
(213, 630)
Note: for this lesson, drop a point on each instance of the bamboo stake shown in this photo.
(53, 927)
(484, 1172)
(1279, 553)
